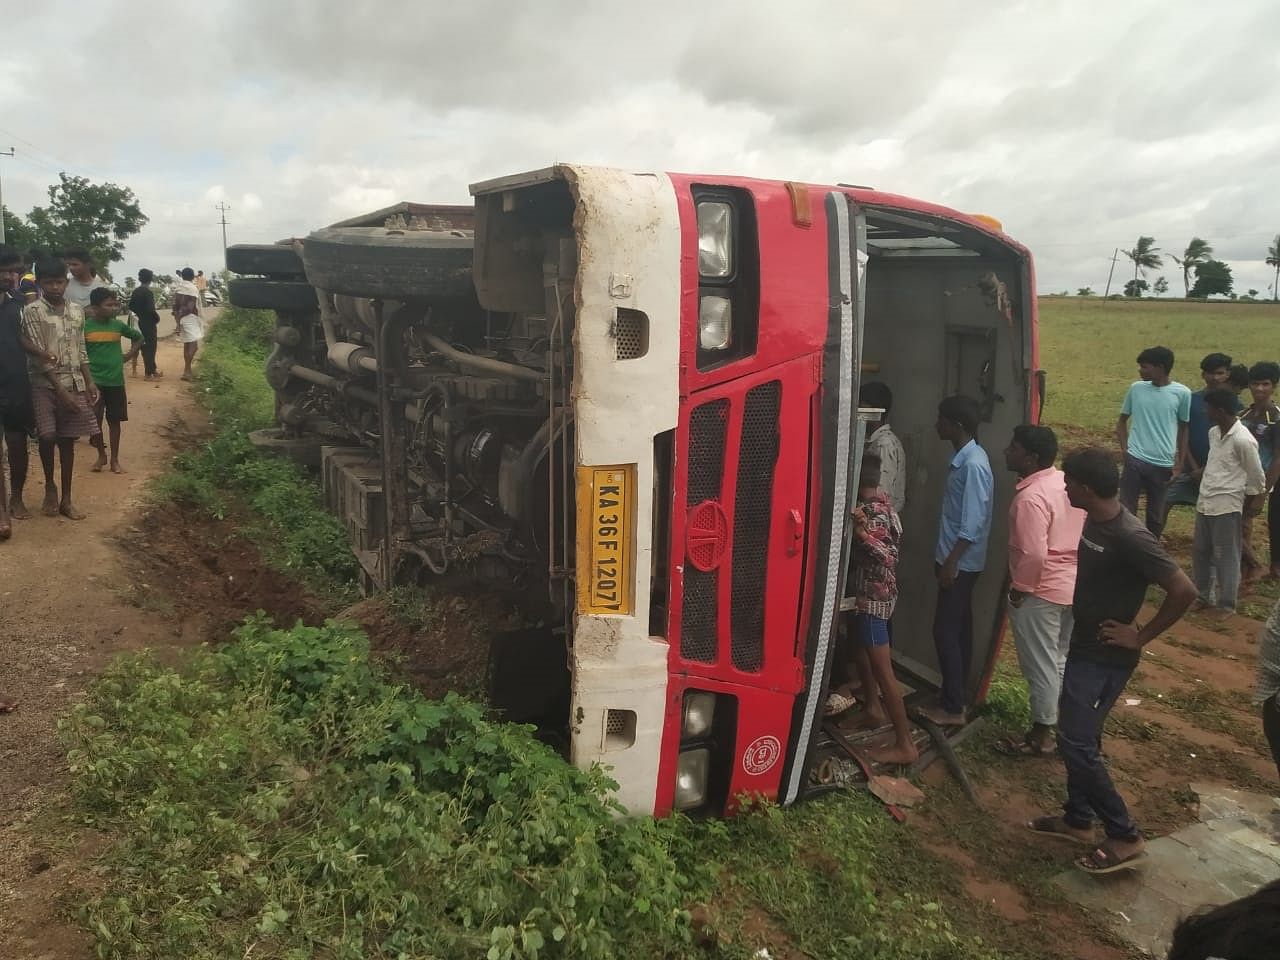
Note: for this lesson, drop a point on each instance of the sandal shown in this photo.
(1052, 825)
(1024, 746)
(838, 703)
(1104, 859)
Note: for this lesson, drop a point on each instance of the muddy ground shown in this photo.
(136, 574)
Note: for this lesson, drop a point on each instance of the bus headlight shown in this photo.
(715, 239)
(699, 710)
(692, 770)
(715, 322)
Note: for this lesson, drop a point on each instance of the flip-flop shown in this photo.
(8, 706)
(1053, 826)
(1022, 747)
(838, 703)
(1102, 859)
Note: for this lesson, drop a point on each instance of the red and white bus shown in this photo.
(649, 408)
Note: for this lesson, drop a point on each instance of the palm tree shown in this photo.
(1145, 256)
(1273, 260)
(1198, 251)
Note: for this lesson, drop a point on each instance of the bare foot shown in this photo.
(116, 468)
(69, 511)
(6, 529)
(18, 510)
(97, 467)
(7, 704)
(900, 754)
(50, 505)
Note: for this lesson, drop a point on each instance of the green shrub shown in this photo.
(280, 797)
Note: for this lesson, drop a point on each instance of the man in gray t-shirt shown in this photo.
(1118, 559)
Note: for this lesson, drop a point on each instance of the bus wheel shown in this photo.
(387, 264)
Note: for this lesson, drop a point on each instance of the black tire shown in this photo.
(303, 451)
(265, 259)
(272, 294)
(389, 264)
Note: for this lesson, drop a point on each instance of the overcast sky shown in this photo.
(1078, 124)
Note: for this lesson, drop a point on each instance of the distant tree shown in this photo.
(1145, 256)
(1212, 277)
(1160, 287)
(1085, 292)
(1198, 251)
(1273, 260)
(18, 233)
(1134, 288)
(129, 284)
(1252, 292)
(98, 217)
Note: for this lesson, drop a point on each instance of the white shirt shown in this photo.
(893, 465)
(1232, 472)
(78, 293)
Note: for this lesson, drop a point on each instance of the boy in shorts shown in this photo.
(62, 387)
(877, 532)
(103, 330)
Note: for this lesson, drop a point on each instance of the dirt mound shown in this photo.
(440, 639)
(207, 575)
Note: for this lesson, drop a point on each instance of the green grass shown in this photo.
(282, 798)
(1089, 347)
(285, 517)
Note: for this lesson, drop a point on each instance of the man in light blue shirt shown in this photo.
(963, 532)
(1152, 431)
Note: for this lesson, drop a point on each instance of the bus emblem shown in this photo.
(761, 754)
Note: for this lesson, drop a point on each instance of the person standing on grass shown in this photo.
(961, 553)
(1262, 419)
(186, 311)
(62, 388)
(142, 304)
(1215, 370)
(877, 532)
(1231, 488)
(16, 423)
(1118, 559)
(1152, 431)
(1044, 534)
(103, 331)
(884, 443)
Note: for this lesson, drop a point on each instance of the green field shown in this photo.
(1089, 346)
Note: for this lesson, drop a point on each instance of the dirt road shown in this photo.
(68, 605)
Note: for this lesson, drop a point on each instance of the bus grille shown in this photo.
(757, 456)
(698, 629)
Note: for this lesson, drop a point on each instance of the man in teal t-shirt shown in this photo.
(1152, 431)
(103, 330)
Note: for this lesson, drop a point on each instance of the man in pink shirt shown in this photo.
(1044, 534)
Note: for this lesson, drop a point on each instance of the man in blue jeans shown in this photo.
(1118, 559)
(963, 531)
(1152, 431)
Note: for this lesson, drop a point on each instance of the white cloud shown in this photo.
(1079, 124)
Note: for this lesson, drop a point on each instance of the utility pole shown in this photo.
(1114, 257)
(3, 153)
(222, 206)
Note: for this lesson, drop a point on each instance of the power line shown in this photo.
(223, 206)
(3, 153)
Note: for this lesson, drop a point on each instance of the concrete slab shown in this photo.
(1231, 853)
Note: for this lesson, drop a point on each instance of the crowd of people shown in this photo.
(1079, 566)
(62, 327)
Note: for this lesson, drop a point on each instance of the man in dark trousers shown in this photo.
(15, 393)
(961, 553)
(1118, 559)
(142, 304)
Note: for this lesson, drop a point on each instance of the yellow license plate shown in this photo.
(606, 545)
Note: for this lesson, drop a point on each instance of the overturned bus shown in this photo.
(632, 399)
